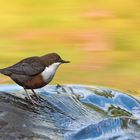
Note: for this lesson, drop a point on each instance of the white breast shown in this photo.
(49, 72)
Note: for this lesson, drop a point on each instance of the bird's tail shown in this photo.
(0, 70)
(5, 72)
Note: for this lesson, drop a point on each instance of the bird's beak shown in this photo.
(63, 61)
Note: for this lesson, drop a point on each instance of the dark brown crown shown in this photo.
(52, 58)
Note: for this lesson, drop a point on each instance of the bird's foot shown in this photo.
(36, 97)
(32, 101)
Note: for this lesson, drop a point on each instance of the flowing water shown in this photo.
(69, 112)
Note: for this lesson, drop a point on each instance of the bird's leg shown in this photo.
(30, 99)
(36, 95)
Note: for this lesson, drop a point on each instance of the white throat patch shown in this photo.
(49, 72)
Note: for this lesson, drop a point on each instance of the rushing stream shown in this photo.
(70, 112)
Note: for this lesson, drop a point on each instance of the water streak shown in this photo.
(70, 112)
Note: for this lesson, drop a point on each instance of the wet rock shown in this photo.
(69, 112)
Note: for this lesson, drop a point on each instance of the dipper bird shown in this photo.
(34, 72)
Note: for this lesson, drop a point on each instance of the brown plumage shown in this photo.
(27, 72)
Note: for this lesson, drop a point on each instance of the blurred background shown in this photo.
(101, 38)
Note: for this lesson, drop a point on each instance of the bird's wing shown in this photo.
(21, 79)
(30, 66)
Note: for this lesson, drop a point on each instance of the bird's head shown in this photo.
(53, 58)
